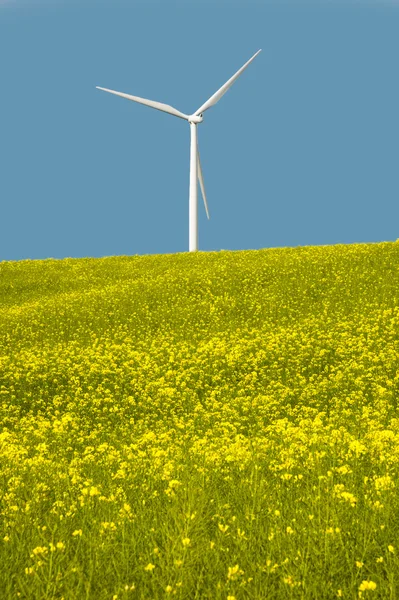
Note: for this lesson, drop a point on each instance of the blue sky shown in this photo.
(302, 150)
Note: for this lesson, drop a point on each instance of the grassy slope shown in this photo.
(263, 382)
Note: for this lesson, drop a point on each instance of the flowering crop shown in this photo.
(201, 425)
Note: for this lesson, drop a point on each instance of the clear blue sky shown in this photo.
(302, 150)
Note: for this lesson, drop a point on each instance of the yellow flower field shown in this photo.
(211, 425)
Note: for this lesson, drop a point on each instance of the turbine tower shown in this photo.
(195, 163)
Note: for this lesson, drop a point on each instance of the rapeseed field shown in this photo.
(219, 425)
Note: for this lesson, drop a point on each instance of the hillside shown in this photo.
(244, 401)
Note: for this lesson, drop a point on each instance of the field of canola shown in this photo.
(219, 425)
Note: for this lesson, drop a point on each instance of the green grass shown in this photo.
(218, 425)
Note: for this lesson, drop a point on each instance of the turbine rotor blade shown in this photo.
(217, 95)
(158, 105)
(201, 180)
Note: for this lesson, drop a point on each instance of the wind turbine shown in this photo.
(195, 164)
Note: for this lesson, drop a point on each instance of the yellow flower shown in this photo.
(367, 585)
(178, 563)
(40, 550)
(149, 567)
(168, 589)
(77, 532)
(359, 564)
(233, 571)
(391, 549)
(174, 483)
(290, 530)
(331, 530)
(186, 542)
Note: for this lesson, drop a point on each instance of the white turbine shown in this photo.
(195, 164)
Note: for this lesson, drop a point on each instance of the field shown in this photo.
(219, 425)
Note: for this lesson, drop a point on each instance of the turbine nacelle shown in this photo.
(195, 118)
